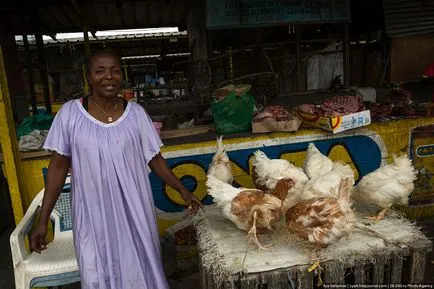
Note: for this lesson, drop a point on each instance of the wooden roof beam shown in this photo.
(83, 18)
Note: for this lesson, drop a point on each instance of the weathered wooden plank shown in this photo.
(360, 275)
(210, 281)
(418, 261)
(277, 279)
(396, 266)
(291, 276)
(227, 285)
(202, 274)
(200, 129)
(378, 272)
(250, 281)
(334, 273)
(304, 278)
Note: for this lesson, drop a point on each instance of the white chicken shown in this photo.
(327, 185)
(267, 172)
(388, 185)
(316, 164)
(220, 166)
(249, 209)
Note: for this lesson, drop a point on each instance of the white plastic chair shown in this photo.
(56, 265)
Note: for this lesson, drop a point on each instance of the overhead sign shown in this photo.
(256, 13)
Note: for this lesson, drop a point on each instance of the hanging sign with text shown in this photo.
(257, 13)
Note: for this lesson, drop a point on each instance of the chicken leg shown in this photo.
(378, 217)
(252, 234)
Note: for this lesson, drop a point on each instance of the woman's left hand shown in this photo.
(193, 204)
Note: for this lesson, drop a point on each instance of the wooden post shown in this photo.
(43, 70)
(418, 261)
(202, 272)
(196, 27)
(347, 56)
(334, 273)
(298, 55)
(198, 47)
(9, 145)
(304, 278)
(396, 266)
(360, 276)
(378, 272)
(30, 75)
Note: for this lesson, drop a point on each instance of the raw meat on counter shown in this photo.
(345, 104)
(399, 97)
(381, 110)
(335, 106)
(398, 103)
(275, 112)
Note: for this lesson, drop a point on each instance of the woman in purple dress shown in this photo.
(109, 143)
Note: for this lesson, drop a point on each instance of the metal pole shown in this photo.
(87, 50)
(347, 56)
(125, 66)
(231, 64)
(30, 75)
(298, 55)
(9, 145)
(43, 70)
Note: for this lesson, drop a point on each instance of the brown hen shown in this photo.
(250, 210)
(323, 220)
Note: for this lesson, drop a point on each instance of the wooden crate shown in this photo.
(407, 267)
(402, 265)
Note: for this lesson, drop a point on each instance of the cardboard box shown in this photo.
(270, 125)
(339, 123)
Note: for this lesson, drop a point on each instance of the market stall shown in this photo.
(227, 261)
(365, 149)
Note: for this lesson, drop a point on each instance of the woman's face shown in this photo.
(105, 76)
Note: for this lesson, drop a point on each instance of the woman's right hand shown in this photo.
(37, 239)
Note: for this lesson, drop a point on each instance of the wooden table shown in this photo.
(225, 261)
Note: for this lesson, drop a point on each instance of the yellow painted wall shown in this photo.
(393, 135)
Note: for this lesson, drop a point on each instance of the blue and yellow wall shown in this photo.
(364, 149)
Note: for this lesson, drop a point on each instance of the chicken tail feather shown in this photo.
(345, 188)
(220, 147)
(220, 191)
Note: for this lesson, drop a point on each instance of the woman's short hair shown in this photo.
(105, 51)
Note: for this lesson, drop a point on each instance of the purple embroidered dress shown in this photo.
(114, 223)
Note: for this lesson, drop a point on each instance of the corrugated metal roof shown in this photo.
(408, 17)
(126, 37)
(63, 16)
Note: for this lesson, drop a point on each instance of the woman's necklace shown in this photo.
(109, 116)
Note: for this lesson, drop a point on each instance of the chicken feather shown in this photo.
(268, 172)
(323, 220)
(316, 164)
(388, 185)
(327, 185)
(220, 166)
(248, 208)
